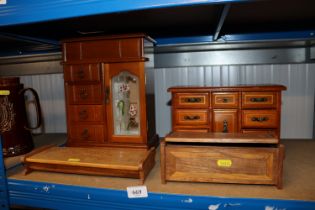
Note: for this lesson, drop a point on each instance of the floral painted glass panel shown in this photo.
(126, 104)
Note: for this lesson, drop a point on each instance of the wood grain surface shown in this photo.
(222, 164)
(116, 158)
(194, 137)
(119, 162)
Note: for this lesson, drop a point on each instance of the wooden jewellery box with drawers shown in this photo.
(233, 109)
(224, 134)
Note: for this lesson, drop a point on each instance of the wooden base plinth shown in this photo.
(222, 164)
(120, 162)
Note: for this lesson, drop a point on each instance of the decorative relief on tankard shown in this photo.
(6, 114)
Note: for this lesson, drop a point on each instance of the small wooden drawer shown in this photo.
(247, 165)
(100, 49)
(103, 49)
(86, 113)
(224, 100)
(84, 94)
(191, 117)
(131, 48)
(112, 49)
(225, 120)
(191, 100)
(87, 133)
(71, 51)
(259, 99)
(272, 132)
(260, 119)
(80, 73)
(222, 138)
(194, 130)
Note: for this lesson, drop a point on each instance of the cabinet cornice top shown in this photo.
(260, 87)
(114, 48)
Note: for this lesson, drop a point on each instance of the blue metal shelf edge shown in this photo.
(4, 201)
(232, 38)
(21, 12)
(58, 196)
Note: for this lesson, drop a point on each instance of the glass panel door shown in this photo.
(126, 104)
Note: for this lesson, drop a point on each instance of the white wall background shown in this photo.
(297, 108)
(50, 89)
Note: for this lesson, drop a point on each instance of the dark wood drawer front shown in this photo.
(224, 100)
(191, 100)
(79, 73)
(191, 117)
(86, 113)
(131, 48)
(84, 94)
(87, 133)
(260, 119)
(100, 49)
(222, 164)
(272, 132)
(259, 99)
(225, 121)
(95, 50)
(194, 130)
(71, 51)
(112, 49)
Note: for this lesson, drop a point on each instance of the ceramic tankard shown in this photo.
(14, 127)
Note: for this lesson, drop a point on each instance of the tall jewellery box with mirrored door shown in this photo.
(224, 134)
(107, 109)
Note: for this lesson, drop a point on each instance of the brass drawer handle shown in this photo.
(107, 93)
(80, 74)
(225, 126)
(196, 117)
(83, 93)
(192, 100)
(226, 100)
(263, 99)
(85, 134)
(83, 114)
(259, 119)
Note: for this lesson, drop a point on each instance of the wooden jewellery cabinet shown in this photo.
(224, 134)
(106, 92)
(106, 106)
